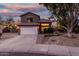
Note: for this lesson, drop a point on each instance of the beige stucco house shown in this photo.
(32, 24)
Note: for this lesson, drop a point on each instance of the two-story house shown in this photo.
(32, 24)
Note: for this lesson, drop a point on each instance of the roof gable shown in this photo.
(29, 13)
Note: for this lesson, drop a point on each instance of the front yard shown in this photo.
(58, 40)
(8, 36)
(49, 39)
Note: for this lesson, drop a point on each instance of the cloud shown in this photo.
(4, 11)
(16, 9)
(11, 14)
(2, 6)
(20, 6)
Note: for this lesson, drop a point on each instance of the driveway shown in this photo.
(26, 45)
(19, 43)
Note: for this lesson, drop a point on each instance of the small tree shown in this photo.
(10, 23)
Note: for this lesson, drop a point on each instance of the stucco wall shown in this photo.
(24, 18)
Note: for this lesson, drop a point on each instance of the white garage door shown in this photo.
(29, 30)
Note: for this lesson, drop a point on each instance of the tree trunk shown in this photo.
(69, 33)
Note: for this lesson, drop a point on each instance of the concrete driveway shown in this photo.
(26, 45)
(19, 43)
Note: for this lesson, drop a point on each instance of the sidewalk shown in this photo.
(26, 44)
(54, 50)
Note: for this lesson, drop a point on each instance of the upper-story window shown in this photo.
(30, 20)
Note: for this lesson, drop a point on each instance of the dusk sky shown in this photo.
(16, 9)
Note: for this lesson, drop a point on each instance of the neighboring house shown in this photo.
(32, 24)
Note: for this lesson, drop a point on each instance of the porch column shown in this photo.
(40, 28)
(49, 24)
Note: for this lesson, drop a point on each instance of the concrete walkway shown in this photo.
(27, 44)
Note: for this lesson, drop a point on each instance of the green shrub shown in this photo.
(76, 30)
(61, 29)
(48, 30)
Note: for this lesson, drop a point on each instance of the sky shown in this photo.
(17, 9)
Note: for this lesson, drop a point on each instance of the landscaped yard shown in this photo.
(58, 40)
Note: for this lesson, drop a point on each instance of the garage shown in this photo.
(29, 30)
(32, 24)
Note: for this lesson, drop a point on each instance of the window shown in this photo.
(45, 25)
(30, 19)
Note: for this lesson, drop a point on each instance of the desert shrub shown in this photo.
(48, 30)
(61, 29)
(6, 30)
(14, 30)
(76, 30)
(10, 30)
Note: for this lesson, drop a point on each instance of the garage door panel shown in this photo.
(29, 30)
